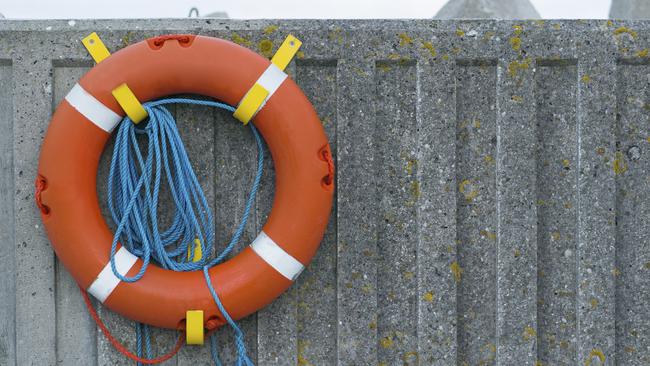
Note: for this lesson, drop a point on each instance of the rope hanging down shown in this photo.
(134, 185)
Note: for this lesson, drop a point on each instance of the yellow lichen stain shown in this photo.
(518, 29)
(585, 79)
(515, 66)
(336, 35)
(360, 71)
(469, 194)
(643, 53)
(541, 202)
(383, 67)
(410, 358)
(625, 30)
(300, 55)
(270, 29)
(460, 32)
(539, 363)
(517, 253)
(387, 342)
(456, 270)
(411, 165)
(489, 35)
(488, 234)
(266, 48)
(555, 235)
(515, 43)
(126, 40)
(557, 26)
(456, 50)
(488, 159)
(646, 265)
(414, 189)
(372, 325)
(477, 123)
(648, 139)
(382, 364)
(619, 166)
(428, 296)
(445, 57)
(517, 98)
(629, 349)
(394, 56)
(566, 163)
(594, 303)
(529, 333)
(405, 40)
(302, 361)
(408, 275)
(429, 47)
(242, 41)
(595, 353)
(600, 151)
(610, 23)
(539, 23)
(367, 288)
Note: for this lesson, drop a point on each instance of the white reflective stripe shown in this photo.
(106, 280)
(271, 80)
(276, 257)
(92, 109)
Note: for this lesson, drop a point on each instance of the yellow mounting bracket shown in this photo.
(122, 93)
(95, 47)
(253, 101)
(194, 327)
(130, 103)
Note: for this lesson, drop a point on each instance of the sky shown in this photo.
(277, 9)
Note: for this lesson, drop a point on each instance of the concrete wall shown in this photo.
(492, 199)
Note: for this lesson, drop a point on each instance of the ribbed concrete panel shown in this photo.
(491, 203)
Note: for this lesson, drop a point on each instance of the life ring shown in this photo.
(77, 135)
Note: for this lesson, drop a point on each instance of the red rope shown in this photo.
(121, 347)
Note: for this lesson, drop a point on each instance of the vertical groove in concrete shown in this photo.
(195, 125)
(7, 251)
(35, 286)
(75, 329)
(596, 216)
(556, 94)
(276, 324)
(516, 234)
(632, 212)
(396, 157)
(232, 172)
(436, 172)
(357, 214)
(316, 286)
(475, 269)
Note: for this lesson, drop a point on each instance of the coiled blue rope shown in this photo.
(134, 184)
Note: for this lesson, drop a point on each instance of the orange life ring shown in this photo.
(78, 133)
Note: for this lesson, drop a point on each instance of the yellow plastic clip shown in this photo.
(198, 253)
(130, 103)
(194, 327)
(95, 47)
(285, 53)
(250, 103)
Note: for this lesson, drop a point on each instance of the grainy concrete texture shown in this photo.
(488, 9)
(630, 9)
(493, 192)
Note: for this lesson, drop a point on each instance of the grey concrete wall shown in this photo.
(492, 194)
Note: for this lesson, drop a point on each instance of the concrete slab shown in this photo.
(491, 195)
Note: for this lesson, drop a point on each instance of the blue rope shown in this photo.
(134, 184)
